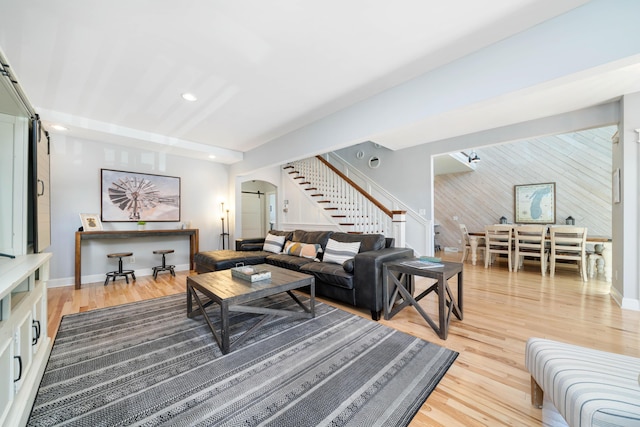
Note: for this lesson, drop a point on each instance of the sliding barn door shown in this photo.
(253, 215)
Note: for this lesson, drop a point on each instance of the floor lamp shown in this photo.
(225, 234)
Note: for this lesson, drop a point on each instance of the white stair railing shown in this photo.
(348, 207)
(419, 230)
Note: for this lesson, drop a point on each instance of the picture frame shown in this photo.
(535, 203)
(133, 196)
(91, 222)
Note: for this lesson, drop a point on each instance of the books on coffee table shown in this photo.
(423, 264)
(250, 274)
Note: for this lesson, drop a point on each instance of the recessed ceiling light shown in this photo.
(211, 156)
(58, 127)
(189, 96)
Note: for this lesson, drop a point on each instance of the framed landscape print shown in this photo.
(91, 222)
(132, 197)
(535, 203)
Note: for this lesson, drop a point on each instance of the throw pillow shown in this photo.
(338, 252)
(273, 243)
(305, 250)
(349, 265)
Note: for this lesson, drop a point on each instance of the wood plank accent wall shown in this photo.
(580, 163)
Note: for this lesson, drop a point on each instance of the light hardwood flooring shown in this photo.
(488, 384)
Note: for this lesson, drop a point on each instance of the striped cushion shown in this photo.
(587, 387)
(273, 243)
(338, 252)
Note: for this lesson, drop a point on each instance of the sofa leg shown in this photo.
(375, 315)
(537, 394)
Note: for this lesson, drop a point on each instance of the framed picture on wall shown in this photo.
(535, 203)
(90, 222)
(133, 197)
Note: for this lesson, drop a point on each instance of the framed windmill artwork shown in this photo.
(133, 197)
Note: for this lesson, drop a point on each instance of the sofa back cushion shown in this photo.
(368, 242)
(319, 237)
(287, 234)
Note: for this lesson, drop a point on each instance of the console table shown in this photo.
(133, 234)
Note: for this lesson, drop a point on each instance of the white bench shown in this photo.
(585, 387)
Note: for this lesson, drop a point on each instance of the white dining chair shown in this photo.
(530, 241)
(498, 240)
(568, 243)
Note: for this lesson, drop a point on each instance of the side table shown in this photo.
(398, 286)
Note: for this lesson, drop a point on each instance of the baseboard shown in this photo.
(624, 303)
(93, 278)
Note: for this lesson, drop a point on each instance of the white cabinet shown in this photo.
(24, 345)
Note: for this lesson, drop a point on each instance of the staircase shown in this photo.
(350, 207)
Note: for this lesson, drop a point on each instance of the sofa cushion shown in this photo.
(368, 242)
(290, 262)
(332, 274)
(305, 250)
(273, 243)
(338, 252)
(319, 237)
(226, 258)
(287, 234)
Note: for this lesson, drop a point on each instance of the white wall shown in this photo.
(75, 189)
(626, 214)
(566, 47)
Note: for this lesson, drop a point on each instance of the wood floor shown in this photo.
(488, 384)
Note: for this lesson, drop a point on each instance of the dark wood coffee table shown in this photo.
(232, 294)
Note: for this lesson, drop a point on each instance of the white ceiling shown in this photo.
(114, 70)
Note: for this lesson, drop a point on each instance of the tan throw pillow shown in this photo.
(305, 250)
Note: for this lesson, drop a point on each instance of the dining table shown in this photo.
(477, 237)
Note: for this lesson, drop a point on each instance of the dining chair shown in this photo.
(466, 241)
(568, 243)
(498, 241)
(530, 241)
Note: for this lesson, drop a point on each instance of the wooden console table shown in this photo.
(132, 234)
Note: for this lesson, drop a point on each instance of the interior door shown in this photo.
(252, 215)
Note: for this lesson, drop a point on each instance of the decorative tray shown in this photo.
(250, 274)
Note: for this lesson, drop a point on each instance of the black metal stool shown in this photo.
(120, 271)
(164, 266)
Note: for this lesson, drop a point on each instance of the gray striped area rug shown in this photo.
(147, 364)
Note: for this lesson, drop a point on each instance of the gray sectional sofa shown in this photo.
(357, 281)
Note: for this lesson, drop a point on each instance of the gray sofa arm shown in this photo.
(250, 244)
(367, 276)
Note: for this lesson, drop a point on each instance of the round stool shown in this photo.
(164, 266)
(120, 271)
